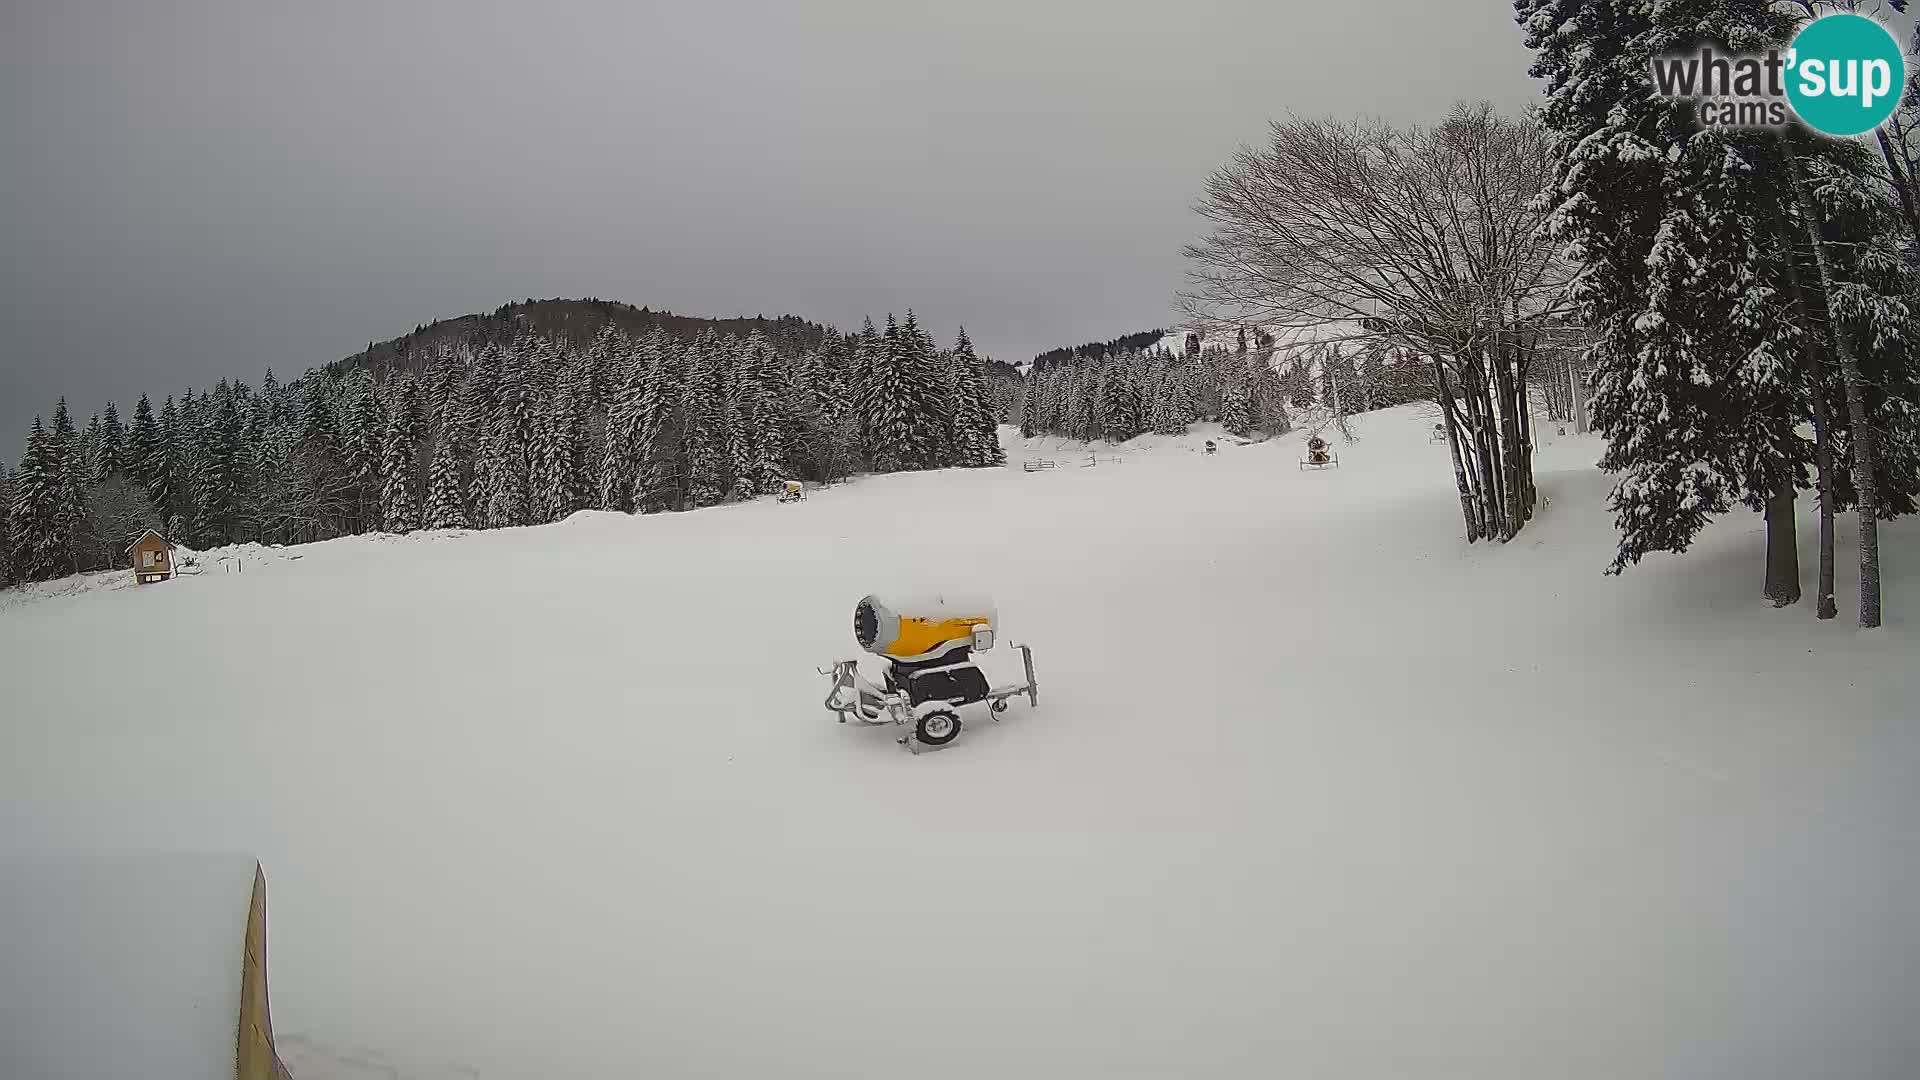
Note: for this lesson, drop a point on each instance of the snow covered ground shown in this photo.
(1313, 789)
(125, 966)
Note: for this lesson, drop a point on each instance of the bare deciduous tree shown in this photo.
(1428, 240)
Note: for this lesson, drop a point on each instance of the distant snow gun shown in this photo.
(1319, 455)
(928, 644)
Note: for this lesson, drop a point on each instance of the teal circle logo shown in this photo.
(1845, 74)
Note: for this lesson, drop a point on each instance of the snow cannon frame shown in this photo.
(928, 644)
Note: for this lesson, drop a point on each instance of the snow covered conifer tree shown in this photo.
(1863, 272)
(602, 367)
(361, 426)
(144, 448)
(266, 454)
(763, 409)
(1077, 394)
(975, 433)
(890, 402)
(317, 420)
(446, 488)
(1154, 391)
(504, 499)
(574, 405)
(1297, 380)
(868, 351)
(90, 438)
(1235, 415)
(1266, 398)
(173, 493)
(821, 376)
(184, 442)
(268, 404)
(316, 496)
(1335, 374)
(71, 452)
(1373, 378)
(735, 450)
(555, 456)
(1695, 348)
(1186, 393)
(960, 419)
(546, 465)
(66, 443)
(1173, 398)
(399, 502)
(703, 438)
(406, 399)
(918, 386)
(477, 395)
(399, 459)
(218, 476)
(45, 511)
(825, 440)
(628, 378)
(1032, 404)
(1126, 397)
(7, 576)
(111, 452)
(440, 391)
(659, 445)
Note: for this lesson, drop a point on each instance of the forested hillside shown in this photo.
(1129, 391)
(574, 323)
(1096, 349)
(517, 418)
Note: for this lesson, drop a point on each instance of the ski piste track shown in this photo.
(135, 965)
(1313, 789)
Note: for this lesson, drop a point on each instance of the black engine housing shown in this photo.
(948, 678)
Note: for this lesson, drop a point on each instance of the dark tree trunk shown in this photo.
(1823, 480)
(1522, 450)
(1492, 498)
(1822, 452)
(1513, 487)
(1469, 512)
(1577, 393)
(1783, 548)
(1862, 431)
(1526, 458)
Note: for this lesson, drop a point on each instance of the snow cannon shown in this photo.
(928, 644)
(1319, 456)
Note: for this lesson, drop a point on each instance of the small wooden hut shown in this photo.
(151, 557)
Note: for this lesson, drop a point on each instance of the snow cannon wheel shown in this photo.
(937, 727)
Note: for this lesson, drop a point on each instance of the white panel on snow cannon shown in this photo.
(928, 642)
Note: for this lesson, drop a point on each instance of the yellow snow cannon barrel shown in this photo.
(923, 627)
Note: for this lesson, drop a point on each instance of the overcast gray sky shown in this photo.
(202, 188)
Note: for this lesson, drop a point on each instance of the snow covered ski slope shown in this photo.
(1313, 789)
